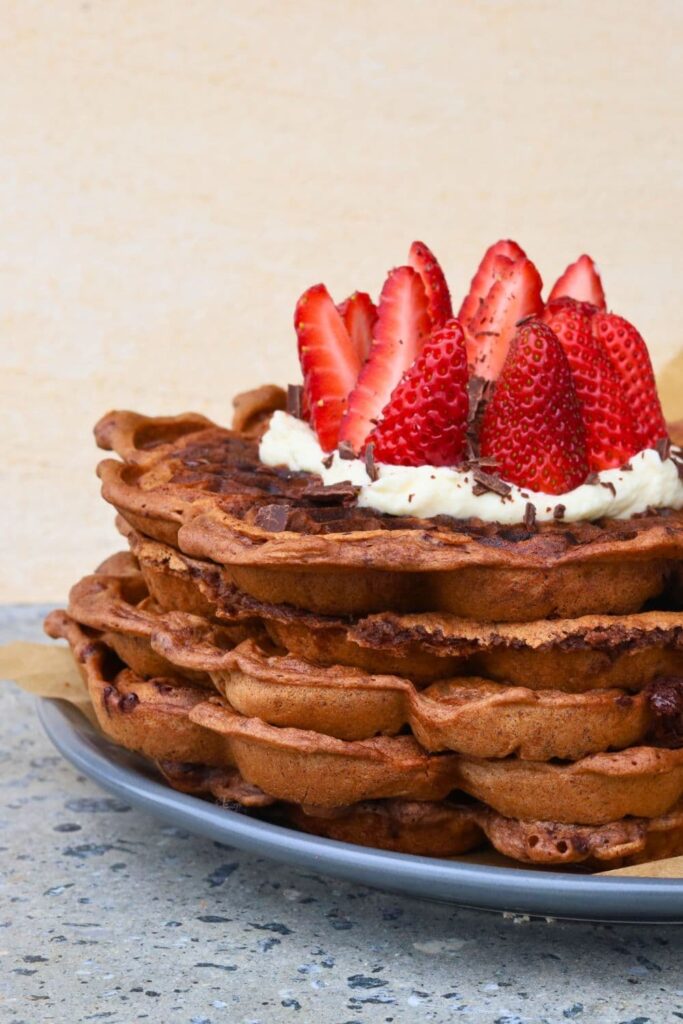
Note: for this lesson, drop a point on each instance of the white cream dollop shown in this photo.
(428, 491)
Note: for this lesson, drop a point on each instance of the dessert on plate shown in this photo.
(427, 600)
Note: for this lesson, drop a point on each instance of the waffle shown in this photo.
(116, 603)
(284, 539)
(167, 721)
(574, 655)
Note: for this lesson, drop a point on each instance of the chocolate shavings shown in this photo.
(294, 400)
(530, 515)
(479, 392)
(663, 447)
(559, 511)
(370, 467)
(610, 487)
(489, 482)
(346, 450)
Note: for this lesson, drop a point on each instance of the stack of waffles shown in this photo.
(430, 684)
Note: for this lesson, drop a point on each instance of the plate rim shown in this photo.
(518, 891)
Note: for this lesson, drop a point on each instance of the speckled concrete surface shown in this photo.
(108, 915)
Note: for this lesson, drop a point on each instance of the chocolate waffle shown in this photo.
(283, 538)
(574, 655)
(116, 603)
(155, 717)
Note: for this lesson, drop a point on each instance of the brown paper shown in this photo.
(46, 670)
(50, 671)
(670, 385)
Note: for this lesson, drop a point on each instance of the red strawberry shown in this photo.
(402, 327)
(359, 313)
(532, 426)
(495, 261)
(425, 421)
(610, 431)
(580, 281)
(329, 362)
(631, 360)
(423, 260)
(516, 295)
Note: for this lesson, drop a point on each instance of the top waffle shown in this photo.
(284, 538)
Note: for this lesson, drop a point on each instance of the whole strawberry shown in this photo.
(631, 360)
(532, 426)
(610, 431)
(425, 421)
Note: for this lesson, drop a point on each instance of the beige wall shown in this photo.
(173, 174)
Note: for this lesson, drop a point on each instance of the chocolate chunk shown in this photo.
(489, 482)
(559, 511)
(294, 400)
(665, 698)
(626, 468)
(328, 460)
(663, 447)
(610, 487)
(679, 466)
(530, 515)
(346, 450)
(593, 479)
(370, 467)
(272, 518)
(341, 493)
(128, 702)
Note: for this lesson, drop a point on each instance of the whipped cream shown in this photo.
(427, 491)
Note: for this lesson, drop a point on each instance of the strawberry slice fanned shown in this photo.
(423, 260)
(329, 361)
(515, 296)
(607, 417)
(631, 360)
(359, 314)
(425, 422)
(403, 326)
(532, 426)
(580, 281)
(495, 261)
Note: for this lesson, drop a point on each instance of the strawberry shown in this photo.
(329, 361)
(425, 421)
(630, 358)
(516, 295)
(580, 281)
(610, 431)
(495, 261)
(532, 426)
(359, 314)
(423, 260)
(402, 327)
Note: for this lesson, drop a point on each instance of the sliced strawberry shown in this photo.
(532, 426)
(425, 422)
(495, 261)
(359, 314)
(402, 327)
(422, 259)
(580, 281)
(631, 360)
(611, 437)
(329, 361)
(516, 295)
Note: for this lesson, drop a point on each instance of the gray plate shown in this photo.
(544, 893)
